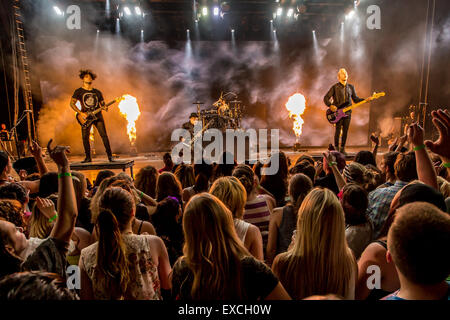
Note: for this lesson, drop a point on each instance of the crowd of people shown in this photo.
(326, 229)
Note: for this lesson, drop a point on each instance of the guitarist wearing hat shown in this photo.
(341, 94)
(91, 100)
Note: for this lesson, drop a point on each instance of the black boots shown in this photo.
(86, 160)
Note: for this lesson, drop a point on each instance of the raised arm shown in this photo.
(67, 207)
(376, 140)
(424, 165)
(36, 151)
(401, 143)
(441, 120)
(331, 160)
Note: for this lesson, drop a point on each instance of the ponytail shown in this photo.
(112, 261)
(245, 175)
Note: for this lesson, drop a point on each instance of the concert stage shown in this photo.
(136, 162)
(103, 165)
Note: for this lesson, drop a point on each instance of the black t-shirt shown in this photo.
(329, 181)
(49, 256)
(89, 99)
(258, 281)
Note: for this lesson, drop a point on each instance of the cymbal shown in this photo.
(197, 102)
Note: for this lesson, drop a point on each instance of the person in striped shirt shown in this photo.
(258, 207)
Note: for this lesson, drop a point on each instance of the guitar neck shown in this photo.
(101, 108)
(356, 105)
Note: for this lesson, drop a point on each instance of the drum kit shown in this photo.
(222, 115)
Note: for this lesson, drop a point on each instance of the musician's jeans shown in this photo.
(343, 126)
(101, 128)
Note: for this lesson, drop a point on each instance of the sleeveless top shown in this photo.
(144, 278)
(241, 228)
(358, 237)
(377, 294)
(257, 213)
(287, 226)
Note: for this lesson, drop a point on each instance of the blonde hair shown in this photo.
(232, 193)
(40, 227)
(320, 261)
(212, 249)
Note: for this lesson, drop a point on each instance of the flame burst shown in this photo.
(129, 108)
(296, 106)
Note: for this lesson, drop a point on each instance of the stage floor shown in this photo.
(155, 159)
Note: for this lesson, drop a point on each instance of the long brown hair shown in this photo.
(146, 180)
(212, 249)
(116, 211)
(320, 261)
(168, 185)
(185, 174)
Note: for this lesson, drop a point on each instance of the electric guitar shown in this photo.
(197, 136)
(85, 119)
(335, 116)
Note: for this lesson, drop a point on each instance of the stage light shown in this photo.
(137, 10)
(290, 12)
(232, 30)
(196, 21)
(58, 11)
(98, 31)
(127, 11)
(205, 11)
(216, 11)
(279, 11)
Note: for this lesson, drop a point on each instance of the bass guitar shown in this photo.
(85, 119)
(335, 116)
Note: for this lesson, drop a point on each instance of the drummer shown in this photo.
(193, 118)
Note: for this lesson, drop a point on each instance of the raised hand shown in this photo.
(35, 149)
(46, 206)
(59, 154)
(441, 120)
(403, 139)
(415, 134)
(375, 139)
(329, 157)
(393, 145)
